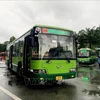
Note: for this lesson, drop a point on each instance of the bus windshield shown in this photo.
(83, 54)
(55, 46)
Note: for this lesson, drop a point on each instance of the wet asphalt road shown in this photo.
(11, 87)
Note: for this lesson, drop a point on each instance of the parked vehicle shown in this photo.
(2, 55)
(43, 53)
(87, 56)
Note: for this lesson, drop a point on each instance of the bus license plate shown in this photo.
(58, 77)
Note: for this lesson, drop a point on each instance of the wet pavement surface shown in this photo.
(4, 96)
(85, 86)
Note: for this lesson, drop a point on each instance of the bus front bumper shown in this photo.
(53, 77)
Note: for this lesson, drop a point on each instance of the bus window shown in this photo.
(35, 50)
(83, 54)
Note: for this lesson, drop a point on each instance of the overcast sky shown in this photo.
(17, 17)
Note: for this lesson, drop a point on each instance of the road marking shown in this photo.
(9, 93)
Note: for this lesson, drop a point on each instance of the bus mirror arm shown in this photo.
(68, 61)
(32, 41)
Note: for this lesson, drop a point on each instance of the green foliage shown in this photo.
(12, 39)
(89, 37)
(3, 45)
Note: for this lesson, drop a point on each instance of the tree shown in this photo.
(6, 42)
(82, 38)
(90, 37)
(97, 36)
(12, 39)
(3, 45)
(2, 48)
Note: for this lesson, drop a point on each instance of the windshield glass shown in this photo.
(54, 46)
(83, 54)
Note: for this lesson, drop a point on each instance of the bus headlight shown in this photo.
(73, 70)
(41, 71)
(31, 70)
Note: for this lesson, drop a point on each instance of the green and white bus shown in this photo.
(87, 56)
(43, 53)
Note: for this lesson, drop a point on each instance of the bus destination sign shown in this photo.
(55, 31)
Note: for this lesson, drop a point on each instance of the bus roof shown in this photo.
(84, 49)
(55, 27)
(37, 25)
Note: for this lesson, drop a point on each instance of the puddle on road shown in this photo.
(89, 73)
(92, 75)
(92, 92)
(13, 79)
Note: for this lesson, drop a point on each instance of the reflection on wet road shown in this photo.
(72, 89)
(89, 73)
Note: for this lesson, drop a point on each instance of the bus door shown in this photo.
(10, 56)
(26, 57)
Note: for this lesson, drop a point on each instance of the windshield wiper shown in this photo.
(48, 61)
(66, 56)
(68, 60)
